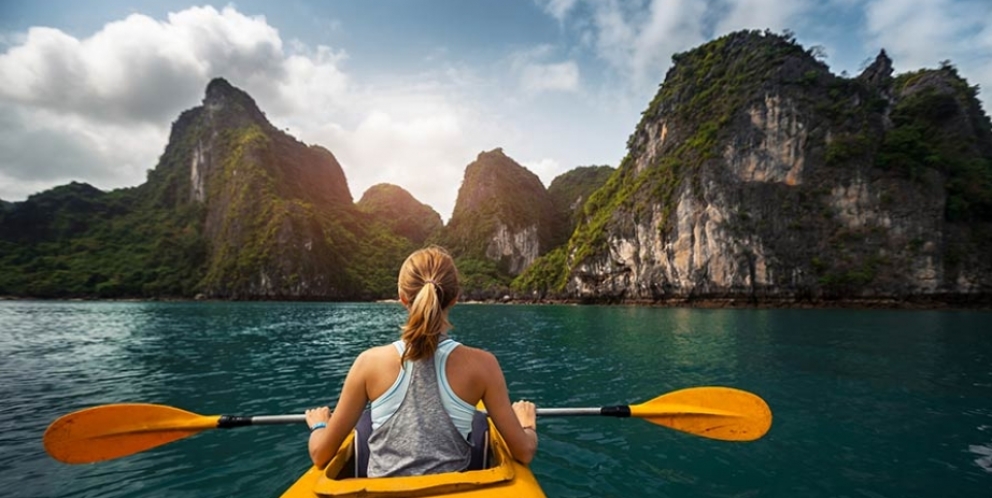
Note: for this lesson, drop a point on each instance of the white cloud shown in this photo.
(916, 34)
(536, 73)
(558, 9)
(543, 77)
(762, 14)
(97, 109)
(314, 81)
(922, 34)
(638, 43)
(139, 69)
(424, 155)
(41, 148)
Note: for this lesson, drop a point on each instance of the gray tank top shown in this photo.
(420, 437)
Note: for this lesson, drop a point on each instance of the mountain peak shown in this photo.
(495, 153)
(403, 213)
(503, 213)
(221, 96)
(879, 73)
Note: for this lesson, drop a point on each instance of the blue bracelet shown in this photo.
(318, 425)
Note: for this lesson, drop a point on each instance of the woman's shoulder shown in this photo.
(476, 355)
(379, 353)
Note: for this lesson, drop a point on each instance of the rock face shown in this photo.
(755, 173)
(235, 209)
(503, 214)
(269, 201)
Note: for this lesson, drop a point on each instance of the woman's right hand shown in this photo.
(315, 415)
(526, 414)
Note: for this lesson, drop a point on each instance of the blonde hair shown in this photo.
(428, 284)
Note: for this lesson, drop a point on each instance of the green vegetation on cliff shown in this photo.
(754, 129)
(548, 274)
(497, 194)
(234, 209)
(753, 170)
(935, 107)
(401, 213)
(495, 190)
(395, 224)
(76, 241)
(704, 91)
(570, 191)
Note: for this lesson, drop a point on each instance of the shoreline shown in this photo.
(948, 303)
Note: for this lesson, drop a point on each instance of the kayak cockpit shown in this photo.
(338, 478)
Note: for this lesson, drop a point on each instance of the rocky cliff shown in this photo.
(278, 215)
(235, 209)
(756, 174)
(503, 220)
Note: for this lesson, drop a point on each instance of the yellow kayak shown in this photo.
(505, 477)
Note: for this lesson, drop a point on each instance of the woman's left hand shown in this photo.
(315, 415)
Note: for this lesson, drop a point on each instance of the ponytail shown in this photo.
(428, 282)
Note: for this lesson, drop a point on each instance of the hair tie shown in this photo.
(432, 281)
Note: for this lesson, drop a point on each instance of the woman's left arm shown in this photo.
(324, 442)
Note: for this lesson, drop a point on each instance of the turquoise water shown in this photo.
(866, 403)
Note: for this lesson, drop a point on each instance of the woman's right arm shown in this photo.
(325, 442)
(517, 423)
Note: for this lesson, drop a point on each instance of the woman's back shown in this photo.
(416, 426)
(464, 370)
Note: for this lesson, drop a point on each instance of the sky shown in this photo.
(404, 92)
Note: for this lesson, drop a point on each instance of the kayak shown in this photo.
(505, 477)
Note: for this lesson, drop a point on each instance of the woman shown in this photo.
(423, 388)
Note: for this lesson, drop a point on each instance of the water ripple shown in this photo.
(866, 403)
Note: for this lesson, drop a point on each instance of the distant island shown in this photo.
(755, 177)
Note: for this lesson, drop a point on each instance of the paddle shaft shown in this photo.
(607, 411)
(229, 421)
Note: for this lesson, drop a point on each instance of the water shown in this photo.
(866, 403)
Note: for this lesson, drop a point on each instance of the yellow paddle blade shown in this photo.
(112, 431)
(714, 412)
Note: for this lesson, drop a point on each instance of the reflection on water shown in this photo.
(867, 403)
(985, 461)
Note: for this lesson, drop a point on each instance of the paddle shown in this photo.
(722, 413)
(113, 431)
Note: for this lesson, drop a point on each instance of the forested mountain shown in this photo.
(403, 214)
(503, 220)
(754, 175)
(238, 209)
(235, 209)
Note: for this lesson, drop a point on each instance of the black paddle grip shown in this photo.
(228, 421)
(615, 411)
